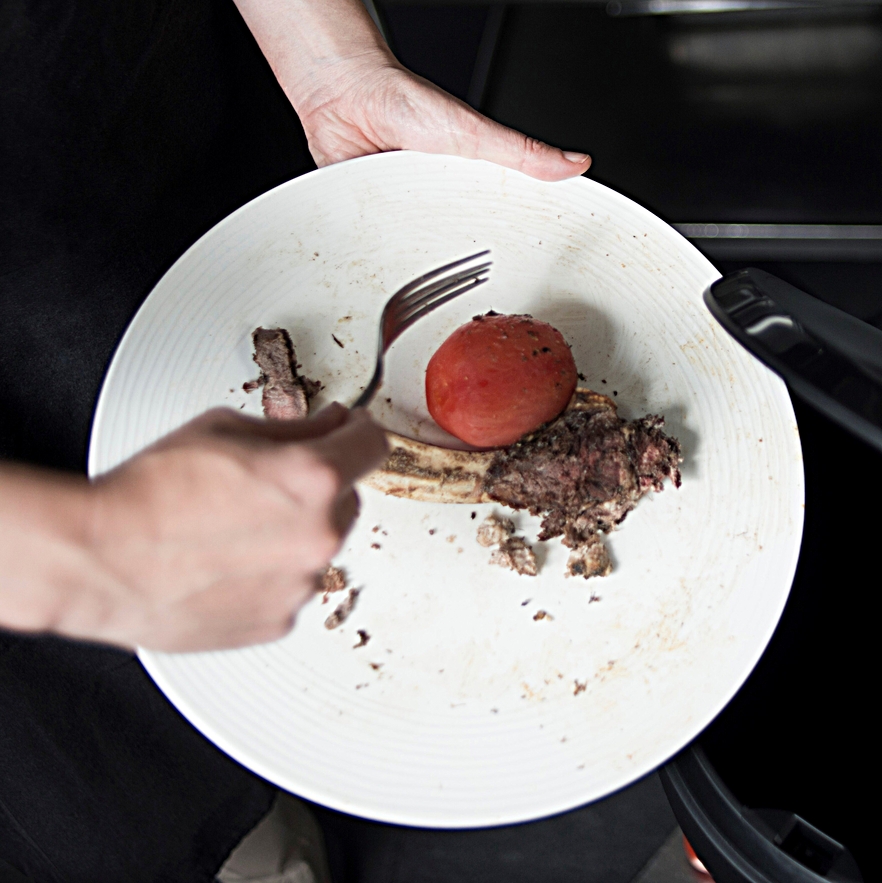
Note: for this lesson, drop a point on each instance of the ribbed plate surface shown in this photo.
(471, 715)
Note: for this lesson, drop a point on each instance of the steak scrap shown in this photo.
(341, 613)
(331, 579)
(286, 394)
(583, 473)
(493, 531)
(512, 552)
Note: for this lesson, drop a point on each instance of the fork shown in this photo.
(417, 299)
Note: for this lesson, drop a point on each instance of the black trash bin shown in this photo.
(782, 785)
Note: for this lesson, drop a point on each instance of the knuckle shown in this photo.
(305, 548)
(214, 417)
(532, 148)
(323, 482)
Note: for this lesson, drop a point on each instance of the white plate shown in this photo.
(472, 717)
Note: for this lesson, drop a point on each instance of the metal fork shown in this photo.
(417, 299)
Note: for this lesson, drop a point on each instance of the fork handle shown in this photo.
(371, 389)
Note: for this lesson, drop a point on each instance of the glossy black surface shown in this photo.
(755, 117)
(831, 360)
(800, 734)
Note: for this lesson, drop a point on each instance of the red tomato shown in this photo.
(499, 377)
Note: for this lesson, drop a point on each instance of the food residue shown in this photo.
(331, 579)
(339, 616)
(512, 552)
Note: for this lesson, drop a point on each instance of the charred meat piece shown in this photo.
(584, 472)
(286, 394)
(589, 558)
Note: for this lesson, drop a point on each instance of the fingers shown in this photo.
(436, 122)
(354, 449)
(506, 147)
(346, 511)
(474, 135)
(223, 421)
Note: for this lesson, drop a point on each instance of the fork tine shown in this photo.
(422, 295)
(418, 314)
(415, 300)
(434, 274)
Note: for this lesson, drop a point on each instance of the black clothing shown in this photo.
(102, 780)
(127, 129)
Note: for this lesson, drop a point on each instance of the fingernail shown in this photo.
(576, 157)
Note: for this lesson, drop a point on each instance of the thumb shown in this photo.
(436, 122)
(499, 144)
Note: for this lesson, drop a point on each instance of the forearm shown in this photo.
(307, 41)
(48, 578)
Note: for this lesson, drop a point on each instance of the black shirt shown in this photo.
(127, 129)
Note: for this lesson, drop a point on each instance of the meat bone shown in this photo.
(417, 470)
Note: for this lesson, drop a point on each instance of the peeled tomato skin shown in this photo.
(498, 377)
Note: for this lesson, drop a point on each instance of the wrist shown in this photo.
(41, 518)
(316, 47)
(49, 580)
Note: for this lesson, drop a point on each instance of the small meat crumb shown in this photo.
(494, 530)
(431, 531)
(517, 555)
(363, 638)
(579, 687)
(339, 616)
(542, 614)
(512, 552)
(376, 546)
(376, 666)
(589, 559)
(332, 579)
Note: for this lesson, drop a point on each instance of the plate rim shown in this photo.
(151, 660)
